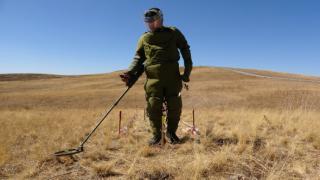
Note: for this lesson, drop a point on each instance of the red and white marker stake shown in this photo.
(192, 129)
(120, 129)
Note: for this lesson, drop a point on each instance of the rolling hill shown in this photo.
(250, 127)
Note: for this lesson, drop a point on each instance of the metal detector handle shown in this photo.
(98, 124)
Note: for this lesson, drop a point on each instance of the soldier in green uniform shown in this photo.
(157, 55)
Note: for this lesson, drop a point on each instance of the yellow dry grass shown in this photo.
(250, 128)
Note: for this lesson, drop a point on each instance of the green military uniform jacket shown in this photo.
(161, 47)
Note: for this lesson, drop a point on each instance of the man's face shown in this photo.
(154, 24)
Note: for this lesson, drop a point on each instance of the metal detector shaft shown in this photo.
(107, 113)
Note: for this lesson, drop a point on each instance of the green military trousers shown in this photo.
(163, 83)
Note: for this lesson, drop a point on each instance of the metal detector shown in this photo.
(80, 148)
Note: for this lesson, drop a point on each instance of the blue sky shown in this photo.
(97, 36)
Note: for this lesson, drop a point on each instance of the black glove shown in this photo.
(128, 78)
(185, 78)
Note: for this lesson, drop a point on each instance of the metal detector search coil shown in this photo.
(69, 152)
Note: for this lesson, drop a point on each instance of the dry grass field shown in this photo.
(250, 128)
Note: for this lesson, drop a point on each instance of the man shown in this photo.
(157, 54)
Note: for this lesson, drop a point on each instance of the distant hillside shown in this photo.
(210, 87)
(35, 76)
(27, 76)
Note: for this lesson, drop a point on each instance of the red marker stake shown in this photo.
(119, 130)
(193, 118)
